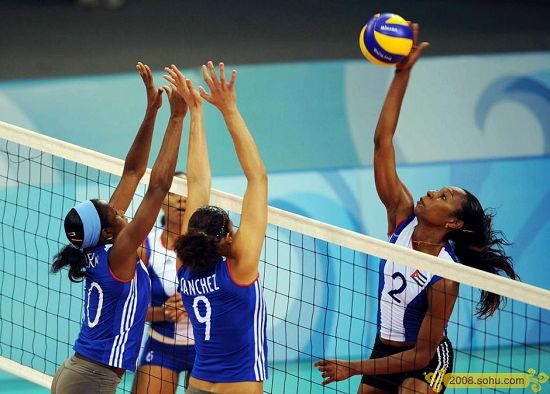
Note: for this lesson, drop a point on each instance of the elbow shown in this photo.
(159, 188)
(160, 184)
(257, 175)
(134, 167)
(134, 172)
(200, 182)
(196, 177)
(382, 141)
(262, 175)
(423, 358)
(259, 179)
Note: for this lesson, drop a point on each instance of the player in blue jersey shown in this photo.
(170, 347)
(104, 251)
(415, 306)
(218, 277)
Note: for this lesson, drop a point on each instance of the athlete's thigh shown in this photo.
(366, 389)
(155, 379)
(415, 386)
(69, 381)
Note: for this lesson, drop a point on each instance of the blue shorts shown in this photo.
(177, 358)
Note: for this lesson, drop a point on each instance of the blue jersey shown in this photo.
(229, 323)
(164, 280)
(402, 298)
(114, 312)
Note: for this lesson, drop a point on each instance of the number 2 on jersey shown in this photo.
(203, 319)
(401, 288)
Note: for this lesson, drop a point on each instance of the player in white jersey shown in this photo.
(415, 306)
(170, 347)
(105, 251)
(217, 268)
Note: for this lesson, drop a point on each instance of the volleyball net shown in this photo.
(320, 282)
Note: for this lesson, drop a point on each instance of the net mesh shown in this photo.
(321, 297)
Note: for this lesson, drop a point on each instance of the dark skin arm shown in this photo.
(441, 299)
(392, 191)
(399, 205)
(135, 163)
(198, 165)
(122, 258)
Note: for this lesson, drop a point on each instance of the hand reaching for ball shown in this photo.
(416, 51)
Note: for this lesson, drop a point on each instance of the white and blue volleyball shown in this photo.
(386, 39)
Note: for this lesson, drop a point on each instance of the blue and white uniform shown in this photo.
(402, 290)
(170, 345)
(229, 323)
(402, 305)
(114, 312)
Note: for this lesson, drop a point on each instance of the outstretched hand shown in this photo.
(154, 95)
(334, 370)
(222, 94)
(416, 51)
(183, 86)
(178, 106)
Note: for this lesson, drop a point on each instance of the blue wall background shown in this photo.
(480, 122)
(311, 116)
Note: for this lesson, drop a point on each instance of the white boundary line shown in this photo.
(26, 373)
(322, 231)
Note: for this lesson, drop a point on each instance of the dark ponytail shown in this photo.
(198, 249)
(73, 255)
(477, 245)
(74, 258)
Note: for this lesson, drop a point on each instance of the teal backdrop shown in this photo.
(479, 122)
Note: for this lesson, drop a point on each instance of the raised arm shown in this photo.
(135, 163)
(392, 192)
(122, 258)
(247, 242)
(441, 299)
(199, 178)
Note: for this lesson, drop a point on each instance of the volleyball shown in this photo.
(386, 39)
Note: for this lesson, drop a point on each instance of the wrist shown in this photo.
(177, 116)
(404, 73)
(229, 110)
(150, 110)
(356, 367)
(196, 110)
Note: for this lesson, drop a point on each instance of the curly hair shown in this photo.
(198, 249)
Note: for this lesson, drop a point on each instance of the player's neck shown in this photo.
(426, 238)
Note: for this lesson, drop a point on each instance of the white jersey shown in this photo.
(402, 290)
(164, 283)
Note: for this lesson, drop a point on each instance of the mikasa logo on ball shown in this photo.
(389, 28)
(386, 39)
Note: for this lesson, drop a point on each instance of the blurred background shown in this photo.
(476, 115)
(45, 38)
